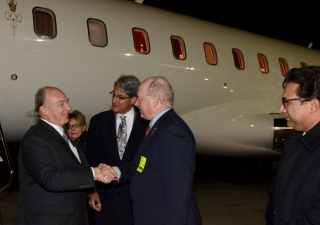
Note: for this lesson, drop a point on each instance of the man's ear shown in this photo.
(155, 100)
(315, 104)
(133, 100)
(43, 110)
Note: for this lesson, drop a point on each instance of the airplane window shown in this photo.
(141, 41)
(97, 32)
(211, 54)
(238, 59)
(44, 22)
(303, 65)
(263, 63)
(283, 66)
(178, 48)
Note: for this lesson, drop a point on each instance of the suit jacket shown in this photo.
(162, 175)
(102, 148)
(295, 190)
(53, 183)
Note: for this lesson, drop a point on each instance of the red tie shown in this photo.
(147, 131)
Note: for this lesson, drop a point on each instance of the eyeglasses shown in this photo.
(285, 101)
(76, 125)
(117, 96)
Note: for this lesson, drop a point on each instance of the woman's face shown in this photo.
(75, 129)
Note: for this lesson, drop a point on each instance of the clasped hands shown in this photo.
(104, 173)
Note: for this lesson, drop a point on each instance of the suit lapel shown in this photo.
(57, 138)
(109, 134)
(153, 132)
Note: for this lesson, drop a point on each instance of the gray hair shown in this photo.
(129, 84)
(40, 98)
(161, 87)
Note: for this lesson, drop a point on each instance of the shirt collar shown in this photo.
(129, 115)
(58, 128)
(156, 117)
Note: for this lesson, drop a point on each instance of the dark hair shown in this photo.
(40, 98)
(129, 84)
(307, 78)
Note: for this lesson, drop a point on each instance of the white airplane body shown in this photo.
(230, 111)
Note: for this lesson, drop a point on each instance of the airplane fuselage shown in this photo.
(230, 111)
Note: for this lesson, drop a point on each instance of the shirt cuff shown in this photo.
(118, 172)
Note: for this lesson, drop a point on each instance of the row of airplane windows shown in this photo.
(45, 26)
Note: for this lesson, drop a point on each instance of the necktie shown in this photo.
(65, 137)
(147, 131)
(73, 149)
(122, 136)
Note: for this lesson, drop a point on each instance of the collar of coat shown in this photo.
(310, 140)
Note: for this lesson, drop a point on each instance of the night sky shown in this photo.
(291, 21)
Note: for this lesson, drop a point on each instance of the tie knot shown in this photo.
(65, 136)
(122, 117)
(147, 131)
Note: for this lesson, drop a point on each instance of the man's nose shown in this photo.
(282, 109)
(68, 107)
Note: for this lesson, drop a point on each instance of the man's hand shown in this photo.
(94, 201)
(104, 173)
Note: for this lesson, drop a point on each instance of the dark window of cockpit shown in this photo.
(303, 65)
(211, 54)
(263, 63)
(141, 41)
(283, 66)
(238, 59)
(178, 48)
(97, 32)
(44, 22)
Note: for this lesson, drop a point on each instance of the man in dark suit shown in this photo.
(53, 173)
(114, 141)
(161, 185)
(295, 190)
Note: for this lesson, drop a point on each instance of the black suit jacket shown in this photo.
(102, 147)
(53, 183)
(295, 190)
(162, 175)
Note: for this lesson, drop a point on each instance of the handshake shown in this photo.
(104, 173)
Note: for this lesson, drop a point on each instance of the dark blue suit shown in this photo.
(162, 175)
(102, 148)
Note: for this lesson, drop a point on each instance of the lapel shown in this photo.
(109, 134)
(152, 134)
(80, 153)
(56, 138)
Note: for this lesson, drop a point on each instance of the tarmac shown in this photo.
(228, 191)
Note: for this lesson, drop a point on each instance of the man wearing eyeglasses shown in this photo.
(295, 191)
(113, 138)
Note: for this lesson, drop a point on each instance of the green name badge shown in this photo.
(142, 164)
